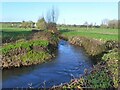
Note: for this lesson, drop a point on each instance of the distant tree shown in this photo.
(24, 24)
(74, 25)
(41, 24)
(52, 15)
(91, 25)
(104, 23)
(51, 19)
(113, 24)
(86, 24)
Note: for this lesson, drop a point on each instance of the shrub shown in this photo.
(41, 24)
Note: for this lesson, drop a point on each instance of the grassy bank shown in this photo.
(102, 44)
(24, 47)
(104, 75)
(24, 53)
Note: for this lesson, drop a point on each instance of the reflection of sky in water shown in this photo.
(69, 63)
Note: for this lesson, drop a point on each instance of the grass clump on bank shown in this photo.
(25, 53)
(112, 59)
(92, 47)
(98, 78)
(27, 45)
(32, 56)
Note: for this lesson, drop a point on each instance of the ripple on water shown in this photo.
(69, 63)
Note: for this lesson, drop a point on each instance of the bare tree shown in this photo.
(52, 15)
(51, 19)
(104, 23)
(113, 24)
(86, 24)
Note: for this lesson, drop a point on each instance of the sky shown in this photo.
(69, 12)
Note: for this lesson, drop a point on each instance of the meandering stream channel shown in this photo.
(69, 63)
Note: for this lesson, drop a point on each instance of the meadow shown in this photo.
(13, 34)
(102, 34)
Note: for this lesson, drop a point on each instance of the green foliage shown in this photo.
(40, 43)
(26, 45)
(111, 55)
(7, 48)
(32, 56)
(111, 59)
(41, 24)
(99, 79)
(54, 37)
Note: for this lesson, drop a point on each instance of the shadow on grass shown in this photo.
(11, 36)
(65, 30)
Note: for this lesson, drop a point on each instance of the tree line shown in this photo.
(113, 24)
(49, 22)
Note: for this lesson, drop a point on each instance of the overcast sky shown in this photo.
(69, 12)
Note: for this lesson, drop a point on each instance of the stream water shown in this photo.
(69, 63)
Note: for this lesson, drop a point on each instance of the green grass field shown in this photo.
(96, 33)
(12, 34)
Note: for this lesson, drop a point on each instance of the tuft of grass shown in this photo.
(99, 79)
(27, 45)
(34, 56)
